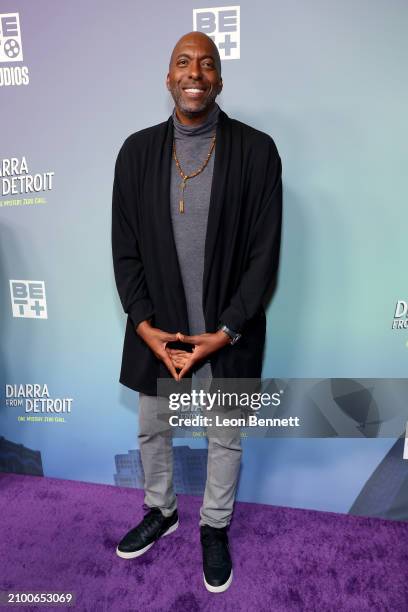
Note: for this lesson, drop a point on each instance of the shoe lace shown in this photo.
(216, 547)
(150, 523)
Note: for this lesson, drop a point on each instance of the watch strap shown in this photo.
(235, 336)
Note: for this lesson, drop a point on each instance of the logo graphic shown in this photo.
(400, 320)
(11, 49)
(15, 179)
(28, 299)
(35, 398)
(222, 24)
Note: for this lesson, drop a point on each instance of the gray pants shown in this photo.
(156, 448)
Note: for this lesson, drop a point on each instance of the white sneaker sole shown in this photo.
(218, 589)
(137, 553)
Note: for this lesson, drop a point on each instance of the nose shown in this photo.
(195, 69)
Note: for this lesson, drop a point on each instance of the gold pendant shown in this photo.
(181, 203)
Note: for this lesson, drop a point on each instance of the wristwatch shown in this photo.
(235, 336)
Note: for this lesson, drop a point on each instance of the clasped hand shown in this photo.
(177, 361)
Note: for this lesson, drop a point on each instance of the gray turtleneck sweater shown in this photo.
(192, 146)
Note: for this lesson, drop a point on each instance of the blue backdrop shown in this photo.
(327, 80)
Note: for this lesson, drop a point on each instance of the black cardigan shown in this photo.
(242, 247)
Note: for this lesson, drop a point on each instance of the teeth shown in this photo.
(194, 90)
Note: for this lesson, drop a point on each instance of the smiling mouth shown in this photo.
(194, 92)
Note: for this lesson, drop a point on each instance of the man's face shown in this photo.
(193, 79)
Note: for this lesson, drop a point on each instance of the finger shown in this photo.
(180, 357)
(167, 337)
(178, 361)
(181, 360)
(169, 364)
(186, 367)
(189, 339)
(179, 365)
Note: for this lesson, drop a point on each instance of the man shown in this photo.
(196, 230)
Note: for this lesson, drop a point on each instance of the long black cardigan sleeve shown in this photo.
(127, 262)
(263, 249)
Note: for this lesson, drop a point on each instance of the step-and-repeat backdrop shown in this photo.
(327, 80)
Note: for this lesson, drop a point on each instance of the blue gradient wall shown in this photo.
(328, 81)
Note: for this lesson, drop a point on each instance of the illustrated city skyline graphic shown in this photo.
(384, 495)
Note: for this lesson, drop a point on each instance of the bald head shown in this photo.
(194, 39)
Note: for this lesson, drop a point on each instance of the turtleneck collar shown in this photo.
(207, 126)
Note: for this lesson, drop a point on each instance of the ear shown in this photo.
(168, 81)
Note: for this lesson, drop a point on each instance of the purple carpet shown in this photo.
(61, 535)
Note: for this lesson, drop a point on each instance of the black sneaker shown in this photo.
(217, 563)
(142, 537)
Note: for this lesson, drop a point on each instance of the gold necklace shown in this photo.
(189, 176)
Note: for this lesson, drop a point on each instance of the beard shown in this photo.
(190, 109)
